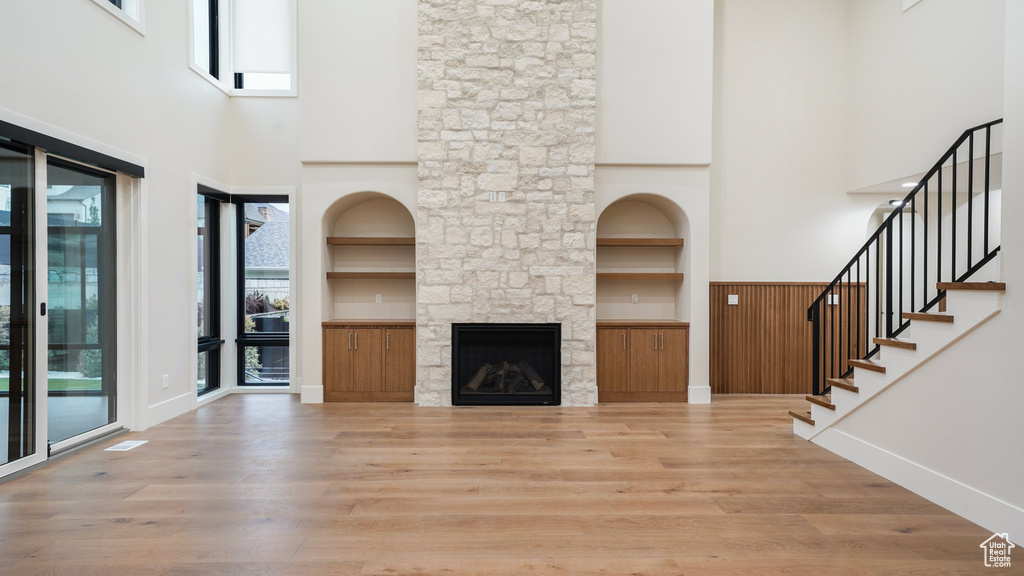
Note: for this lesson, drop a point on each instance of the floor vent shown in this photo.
(126, 445)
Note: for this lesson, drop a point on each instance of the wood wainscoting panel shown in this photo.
(737, 334)
(764, 344)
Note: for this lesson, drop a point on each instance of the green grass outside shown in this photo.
(61, 384)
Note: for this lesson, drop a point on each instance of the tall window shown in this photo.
(261, 38)
(263, 290)
(208, 289)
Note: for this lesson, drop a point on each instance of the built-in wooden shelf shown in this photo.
(371, 275)
(369, 241)
(639, 241)
(639, 275)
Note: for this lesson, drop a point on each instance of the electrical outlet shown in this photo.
(378, 298)
(636, 298)
(501, 196)
(494, 196)
(166, 381)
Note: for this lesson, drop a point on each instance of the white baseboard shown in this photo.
(312, 395)
(164, 411)
(698, 394)
(982, 509)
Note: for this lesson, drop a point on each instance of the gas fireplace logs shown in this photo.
(506, 378)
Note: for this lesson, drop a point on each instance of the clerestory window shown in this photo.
(247, 47)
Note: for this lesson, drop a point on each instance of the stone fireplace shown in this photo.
(505, 208)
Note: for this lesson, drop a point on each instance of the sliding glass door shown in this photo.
(81, 258)
(18, 398)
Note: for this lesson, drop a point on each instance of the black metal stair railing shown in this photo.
(945, 230)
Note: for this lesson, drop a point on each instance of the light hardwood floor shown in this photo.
(262, 485)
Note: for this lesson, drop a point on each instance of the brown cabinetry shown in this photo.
(369, 361)
(642, 361)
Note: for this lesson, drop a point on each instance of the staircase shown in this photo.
(922, 281)
(970, 304)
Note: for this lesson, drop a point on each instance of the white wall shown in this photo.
(957, 420)
(357, 80)
(781, 82)
(85, 72)
(654, 81)
(918, 79)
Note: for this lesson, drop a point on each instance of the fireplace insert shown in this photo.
(506, 364)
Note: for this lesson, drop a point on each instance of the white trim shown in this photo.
(170, 408)
(141, 232)
(698, 394)
(211, 397)
(983, 509)
(137, 25)
(315, 395)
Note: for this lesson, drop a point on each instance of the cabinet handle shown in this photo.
(349, 340)
(387, 341)
(655, 340)
(623, 340)
(662, 340)
(357, 340)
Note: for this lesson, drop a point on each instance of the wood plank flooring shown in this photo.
(262, 485)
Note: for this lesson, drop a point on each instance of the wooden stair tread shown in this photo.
(983, 286)
(821, 401)
(844, 383)
(894, 343)
(927, 317)
(802, 418)
(868, 365)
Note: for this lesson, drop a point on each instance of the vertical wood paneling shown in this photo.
(764, 345)
(736, 339)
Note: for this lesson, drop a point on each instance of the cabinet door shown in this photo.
(612, 359)
(399, 359)
(673, 361)
(367, 360)
(337, 361)
(643, 360)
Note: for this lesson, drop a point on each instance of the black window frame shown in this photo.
(247, 339)
(212, 342)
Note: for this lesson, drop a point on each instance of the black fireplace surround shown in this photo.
(506, 364)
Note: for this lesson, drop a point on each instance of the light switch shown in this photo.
(734, 299)
(833, 299)
(501, 196)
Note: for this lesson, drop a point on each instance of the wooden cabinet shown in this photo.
(369, 361)
(613, 359)
(642, 361)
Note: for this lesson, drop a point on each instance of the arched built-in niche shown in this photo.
(642, 250)
(369, 251)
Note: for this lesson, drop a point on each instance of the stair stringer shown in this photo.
(970, 310)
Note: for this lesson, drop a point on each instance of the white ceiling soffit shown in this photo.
(896, 188)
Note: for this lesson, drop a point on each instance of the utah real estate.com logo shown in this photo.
(997, 550)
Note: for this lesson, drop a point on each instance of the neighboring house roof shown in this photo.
(252, 212)
(77, 193)
(267, 247)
